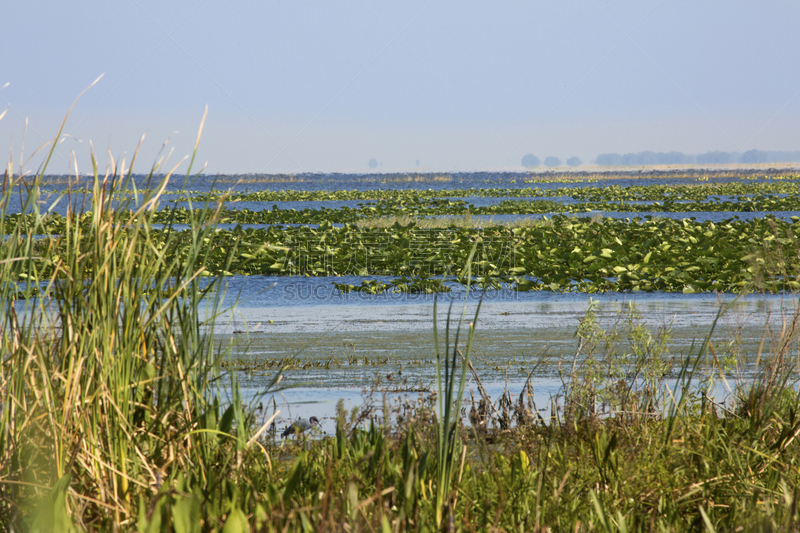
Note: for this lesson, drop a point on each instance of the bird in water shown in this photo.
(299, 426)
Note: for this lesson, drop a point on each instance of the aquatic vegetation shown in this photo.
(700, 191)
(564, 254)
(567, 254)
(560, 254)
(404, 284)
(418, 206)
(403, 204)
(459, 221)
(740, 204)
(372, 214)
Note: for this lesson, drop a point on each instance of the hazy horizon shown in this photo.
(429, 86)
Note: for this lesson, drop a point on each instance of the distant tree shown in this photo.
(609, 160)
(373, 163)
(754, 156)
(715, 158)
(551, 161)
(674, 158)
(574, 161)
(644, 158)
(783, 157)
(530, 161)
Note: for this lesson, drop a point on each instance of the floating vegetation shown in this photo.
(367, 214)
(700, 191)
(568, 254)
(585, 254)
(741, 204)
(293, 363)
(729, 197)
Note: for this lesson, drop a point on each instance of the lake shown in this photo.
(357, 346)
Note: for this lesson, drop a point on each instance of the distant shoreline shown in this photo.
(582, 172)
(753, 168)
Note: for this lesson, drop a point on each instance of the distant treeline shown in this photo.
(679, 158)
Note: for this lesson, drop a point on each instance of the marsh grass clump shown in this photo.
(110, 413)
(617, 371)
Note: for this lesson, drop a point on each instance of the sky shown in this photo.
(317, 86)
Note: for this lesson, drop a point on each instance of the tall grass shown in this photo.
(451, 378)
(107, 385)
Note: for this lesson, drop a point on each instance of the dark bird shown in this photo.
(299, 426)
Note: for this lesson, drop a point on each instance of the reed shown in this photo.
(108, 368)
(451, 378)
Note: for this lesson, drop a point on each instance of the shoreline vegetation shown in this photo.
(113, 416)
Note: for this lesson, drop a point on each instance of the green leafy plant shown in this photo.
(451, 377)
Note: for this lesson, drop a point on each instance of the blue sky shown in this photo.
(310, 86)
